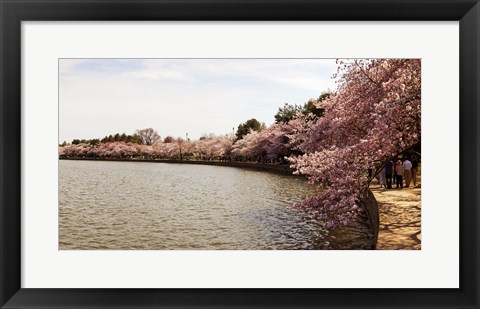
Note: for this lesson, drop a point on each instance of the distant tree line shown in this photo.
(252, 142)
(146, 136)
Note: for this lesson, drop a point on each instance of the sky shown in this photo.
(99, 97)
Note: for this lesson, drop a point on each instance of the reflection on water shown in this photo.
(135, 205)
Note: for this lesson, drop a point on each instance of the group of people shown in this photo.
(398, 171)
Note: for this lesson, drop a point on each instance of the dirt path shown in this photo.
(400, 218)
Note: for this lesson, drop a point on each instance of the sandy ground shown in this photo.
(400, 217)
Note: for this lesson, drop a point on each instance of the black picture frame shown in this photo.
(13, 12)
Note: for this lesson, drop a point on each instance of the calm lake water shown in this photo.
(136, 205)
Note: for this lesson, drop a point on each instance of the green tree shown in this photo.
(132, 139)
(248, 126)
(287, 113)
(310, 106)
(94, 141)
(123, 137)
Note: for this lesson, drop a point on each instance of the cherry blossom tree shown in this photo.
(248, 147)
(374, 116)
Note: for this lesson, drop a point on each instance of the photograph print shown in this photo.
(239, 154)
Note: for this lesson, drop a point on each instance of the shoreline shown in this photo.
(284, 169)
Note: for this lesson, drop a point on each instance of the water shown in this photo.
(136, 205)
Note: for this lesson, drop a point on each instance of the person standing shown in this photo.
(407, 172)
(394, 161)
(389, 173)
(382, 178)
(399, 171)
(414, 170)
